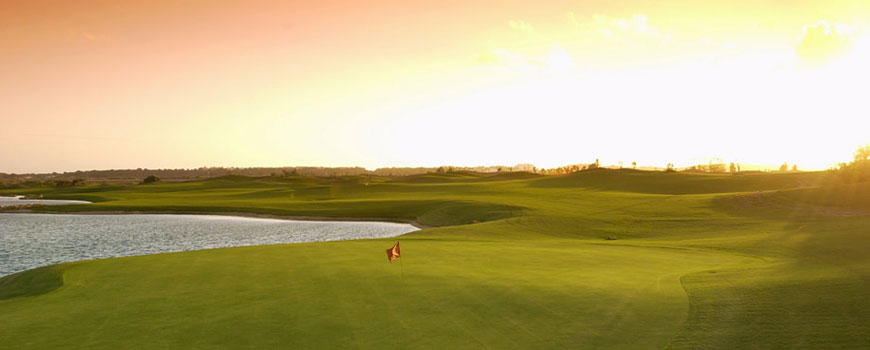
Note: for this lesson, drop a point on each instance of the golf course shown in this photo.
(604, 258)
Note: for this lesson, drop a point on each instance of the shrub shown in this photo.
(150, 179)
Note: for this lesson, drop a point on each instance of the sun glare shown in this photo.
(558, 61)
(552, 87)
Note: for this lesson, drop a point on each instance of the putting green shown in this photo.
(599, 259)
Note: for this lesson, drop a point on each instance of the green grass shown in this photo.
(599, 259)
(32, 282)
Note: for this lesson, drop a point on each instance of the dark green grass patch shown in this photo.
(32, 282)
(628, 180)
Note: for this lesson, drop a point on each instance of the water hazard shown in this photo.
(18, 201)
(32, 240)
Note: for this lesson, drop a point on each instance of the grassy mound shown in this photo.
(851, 196)
(829, 200)
(627, 180)
(32, 282)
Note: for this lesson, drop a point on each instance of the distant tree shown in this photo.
(634, 165)
(859, 169)
(620, 164)
(593, 165)
(794, 167)
(862, 154)
(783, 167)
(62, 183)
(670, 168)
(732, 168)
(716, 167)
(150, 179)
(440, 169)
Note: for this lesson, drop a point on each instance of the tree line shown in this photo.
(145, 175)
(858, 170)
(855, 171)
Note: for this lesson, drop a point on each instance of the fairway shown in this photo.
(617, 259)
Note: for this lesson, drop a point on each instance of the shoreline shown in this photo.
(231, 213)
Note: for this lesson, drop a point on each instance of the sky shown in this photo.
(184, 84)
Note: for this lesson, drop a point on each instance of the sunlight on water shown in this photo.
(10, 201)
(32, 240)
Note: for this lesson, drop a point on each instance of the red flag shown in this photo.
(393, 252)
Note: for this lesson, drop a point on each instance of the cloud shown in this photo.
(717, 45)
(88, 36)
(822, 43)
(556, 60)
(521, 26)
(498, 57)
(635, 28)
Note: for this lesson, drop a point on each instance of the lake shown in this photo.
(10, 201)
(32, 240)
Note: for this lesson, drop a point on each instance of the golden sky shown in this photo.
(165, 84)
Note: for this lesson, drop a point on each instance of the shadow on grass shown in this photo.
(31, 282)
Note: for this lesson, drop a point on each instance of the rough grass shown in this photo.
(601, 259)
